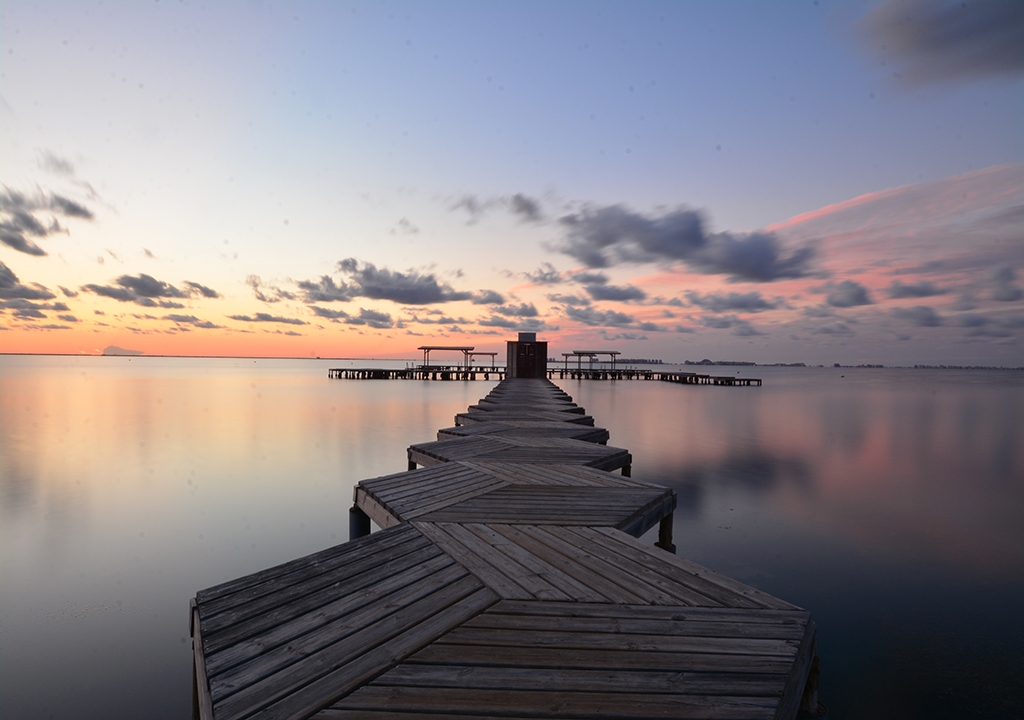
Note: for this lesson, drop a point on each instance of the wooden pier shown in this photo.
(462, 372)
(420, 372)
(507, 581)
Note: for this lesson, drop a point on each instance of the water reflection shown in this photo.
(881, 500)
(128, 485)
(890, 503)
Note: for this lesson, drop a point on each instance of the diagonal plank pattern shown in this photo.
(507, 580)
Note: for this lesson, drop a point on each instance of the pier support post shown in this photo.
(627, 471)
(665, 534)
(809, 705)
(358, 523)
(412, 464)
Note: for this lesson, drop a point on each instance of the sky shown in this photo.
(809, 182)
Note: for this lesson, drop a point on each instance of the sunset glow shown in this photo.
(759, 182)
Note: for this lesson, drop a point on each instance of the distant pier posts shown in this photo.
(358, 523)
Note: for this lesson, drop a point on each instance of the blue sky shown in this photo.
(467, 146)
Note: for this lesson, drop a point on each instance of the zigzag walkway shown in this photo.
(507, 581)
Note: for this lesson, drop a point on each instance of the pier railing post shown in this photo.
(358, 523)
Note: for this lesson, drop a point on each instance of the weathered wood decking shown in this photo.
(507, 581)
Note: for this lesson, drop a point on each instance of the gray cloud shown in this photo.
(267, 318)
(546, 274)
(604, 236)
(143, 289)
(719, 302)
(371, 318)
(933, 41)
(55, 164)
(568, 299)
(739, 327)
(525, 207)
(525, 324)
(919, 316)
(898, 290)
(18, 221)
(196, 288)
(275, 294)
(521, 310)
(847, 294)
(442, 320)
(836, 328)
(410, 288)
(520, 205)
(981, 326)
(598, 318)
(192, 320)
(473, 206)
(323, 290)
(590, 278)
(488, 297)
(29, 309)
(11, 287)
(1005, 290)
(719, 322)
(67, 293)
(615, 292)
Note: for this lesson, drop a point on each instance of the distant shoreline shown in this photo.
(690, 363)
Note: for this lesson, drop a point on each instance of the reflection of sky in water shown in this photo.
(889, 503)
(127, 485)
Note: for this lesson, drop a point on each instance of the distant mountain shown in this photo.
(115, 350)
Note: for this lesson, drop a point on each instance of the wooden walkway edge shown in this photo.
(507, 580)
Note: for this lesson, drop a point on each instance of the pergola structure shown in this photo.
(465, 350)
(591, 355)
(471, 355)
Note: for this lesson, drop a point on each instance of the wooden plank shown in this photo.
(496, 580)
(649, 642)
(314, 641)
(343, 680)
(641, 625)
(202, 703)
(709, 614)
(374, 509)
(313, 613)
(664, 588)
(698, 571)
(557, 658)
(338, 553)
(568, 557)
(302, 687)
(315, 579)
(258, 598)
(560, 573)
(558, 538)
(583, 680)
(560, 705)
(793, 692)
(525, 569)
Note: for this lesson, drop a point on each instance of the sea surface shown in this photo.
(888, 502)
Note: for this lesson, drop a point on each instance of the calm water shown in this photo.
(888, 502)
